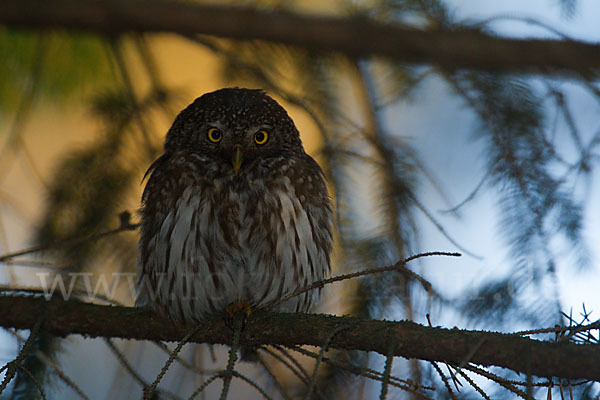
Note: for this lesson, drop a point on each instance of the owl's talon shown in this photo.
(237, 309)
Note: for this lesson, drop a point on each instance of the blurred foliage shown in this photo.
(66, 65)
(569, 7)
(535, 205)
(84, 197)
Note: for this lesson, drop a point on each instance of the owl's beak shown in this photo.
(237, 158)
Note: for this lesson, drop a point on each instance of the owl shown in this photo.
(234, 212)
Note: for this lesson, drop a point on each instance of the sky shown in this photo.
(458, 163)
(583, 24)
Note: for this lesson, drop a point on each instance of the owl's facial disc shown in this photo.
(237, 157)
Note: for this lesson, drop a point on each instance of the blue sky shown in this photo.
(441, 127)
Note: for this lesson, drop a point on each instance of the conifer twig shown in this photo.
(12, 366)
(149, 391)
(399, 266)
(238, 323)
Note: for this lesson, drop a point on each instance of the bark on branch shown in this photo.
(352, 36)
(458, 347)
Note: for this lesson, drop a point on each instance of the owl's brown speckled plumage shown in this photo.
(211, 235)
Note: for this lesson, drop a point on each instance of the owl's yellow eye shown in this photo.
(261, 137)
(214, 135)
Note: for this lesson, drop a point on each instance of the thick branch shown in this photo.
(544, 359)
(352, 36)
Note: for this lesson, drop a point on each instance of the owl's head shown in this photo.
(236, 126)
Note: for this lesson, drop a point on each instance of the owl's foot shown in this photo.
(237, 309)
(233, 312)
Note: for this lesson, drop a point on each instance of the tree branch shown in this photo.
(454, 346)
(356, 37)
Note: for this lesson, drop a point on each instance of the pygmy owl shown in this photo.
(234, 211)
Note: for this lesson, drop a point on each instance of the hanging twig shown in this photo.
(505, 383)
(324, 348)
(131, 371)
(204, 385)
(387, 371)
(251, 383)
(292, 364)
(445, 380)
(473, 384)
(238, 324)
(403, 384)
(149, 391)
(35, 382)
(61, 374)
(273, 378)
(13, 366)
(185, 364)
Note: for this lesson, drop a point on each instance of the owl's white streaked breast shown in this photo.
(200, 268)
